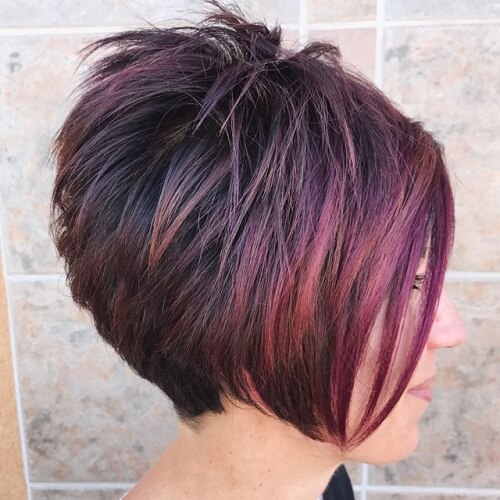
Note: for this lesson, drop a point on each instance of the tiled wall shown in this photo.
(84, 413)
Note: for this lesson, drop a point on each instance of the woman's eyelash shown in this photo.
(419, 278)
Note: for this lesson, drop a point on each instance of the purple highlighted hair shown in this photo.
(233, 214)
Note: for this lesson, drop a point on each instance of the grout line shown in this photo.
(303, 26)
(441, 22)
(481, 276)
(434, 490)
(396, 24)
(343, 25)
(62, 30)
(79, 30)
(13, 350)
(79, 486)
(21, 278)
(379, 44)
(443, 490)
(364, 480)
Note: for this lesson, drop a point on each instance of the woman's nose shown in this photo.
(448, 329)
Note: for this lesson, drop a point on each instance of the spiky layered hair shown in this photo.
(234, 213)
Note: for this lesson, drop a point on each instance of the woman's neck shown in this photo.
(242, 454)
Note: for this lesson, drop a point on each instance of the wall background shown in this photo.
(82, 412)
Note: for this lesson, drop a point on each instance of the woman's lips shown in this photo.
(424, 392)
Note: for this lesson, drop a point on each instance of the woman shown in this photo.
(264, 236)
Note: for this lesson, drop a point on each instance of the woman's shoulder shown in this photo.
(339, 487)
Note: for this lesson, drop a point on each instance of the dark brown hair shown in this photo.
(233, 214)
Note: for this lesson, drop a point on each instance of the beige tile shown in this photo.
(441, 9)
(36, 79)
(51, 494)
(87, 416)
(449, 77)
(357, 46)
(273, 11)
(334, 11)
(460, 431)
(24, 13)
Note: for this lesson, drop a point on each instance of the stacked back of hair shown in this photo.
(233, 215)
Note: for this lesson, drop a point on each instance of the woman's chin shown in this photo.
(402, 448)
(382, 451)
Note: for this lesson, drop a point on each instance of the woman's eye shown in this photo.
(418, 281)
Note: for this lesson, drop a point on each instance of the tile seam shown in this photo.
(364, 480)
(81, 30)
(14, 364)
(444, 490)
(379, 46)
(303, 24)
(373, 488)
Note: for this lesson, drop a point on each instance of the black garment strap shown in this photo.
(339, 487)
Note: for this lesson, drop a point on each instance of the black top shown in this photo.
(339, 487)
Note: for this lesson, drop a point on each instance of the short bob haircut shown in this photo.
(234, 213)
